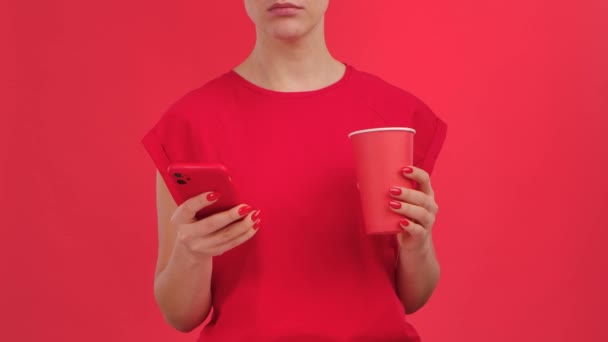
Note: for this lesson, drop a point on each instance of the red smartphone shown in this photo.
(191, 179)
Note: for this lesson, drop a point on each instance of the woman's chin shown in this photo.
(287, 33)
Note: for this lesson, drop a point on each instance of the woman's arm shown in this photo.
(183, 290)
(417, 271)
(182, 283)
(417, 276)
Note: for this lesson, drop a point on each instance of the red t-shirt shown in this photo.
(310, 273)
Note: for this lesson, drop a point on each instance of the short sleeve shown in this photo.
(431, 132)
(164, 142)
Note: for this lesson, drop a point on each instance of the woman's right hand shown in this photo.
(215, 234)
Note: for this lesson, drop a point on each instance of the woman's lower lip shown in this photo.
(285, 11)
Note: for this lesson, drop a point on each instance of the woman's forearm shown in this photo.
(183, 289)
(417, 276)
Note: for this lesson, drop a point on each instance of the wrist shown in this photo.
(412, 261)
(422, 251)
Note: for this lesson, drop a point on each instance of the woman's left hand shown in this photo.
(418, 207)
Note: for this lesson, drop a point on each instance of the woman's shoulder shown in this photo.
(209, 91)
(210, 96)
(377, 89)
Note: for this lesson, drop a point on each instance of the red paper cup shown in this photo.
(380, 154)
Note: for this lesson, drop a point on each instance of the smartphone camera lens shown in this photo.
(181, 181)
(178, 175)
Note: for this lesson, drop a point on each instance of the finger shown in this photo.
(414, 212)
(421, 177)
(208, 243)
(414, 229)
(218, 221)
(185, 213)
(413, 197)
(239, 240)
(234, 230)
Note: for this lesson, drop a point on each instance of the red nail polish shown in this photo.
(395, 191)
(245, 210)
(256, 225)
(255, 215)
(404, 222)
(395, 204)
(407, 169)
(213, 196)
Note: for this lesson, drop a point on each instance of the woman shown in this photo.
(292, 264)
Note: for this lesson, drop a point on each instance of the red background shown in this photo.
(521, 183)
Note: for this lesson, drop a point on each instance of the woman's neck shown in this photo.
(291, 65)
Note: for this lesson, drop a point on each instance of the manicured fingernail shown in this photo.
(407, 169)
(404, 222)
(245, 210)
(395, 204)
(256, 225)
(213, 196)
(395, 191)
(255, 215)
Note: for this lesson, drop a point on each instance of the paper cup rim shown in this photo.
(408, 129)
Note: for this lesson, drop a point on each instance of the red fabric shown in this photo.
(310, 274)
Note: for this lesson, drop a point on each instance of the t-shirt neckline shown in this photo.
(242, 80)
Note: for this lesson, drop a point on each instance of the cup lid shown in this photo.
(408, 129)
